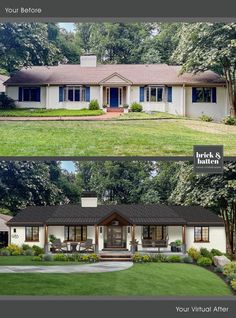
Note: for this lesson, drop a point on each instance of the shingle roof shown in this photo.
(135, 73)
(3, 78)
(3, 220)
(135, 214)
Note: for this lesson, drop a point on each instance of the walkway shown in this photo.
(101, 267)
(106, 116)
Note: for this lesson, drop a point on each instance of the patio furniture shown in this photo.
(155, 243)
(73, 247)
(59, 246)
(86, 246)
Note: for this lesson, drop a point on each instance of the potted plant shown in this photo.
(104, 108)
(173, 247)
(126, 108)
(178, 245)
(134, 246)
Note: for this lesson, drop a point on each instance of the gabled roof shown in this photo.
(134, 213)
(3, 220)
(3, 78)
(138, 74)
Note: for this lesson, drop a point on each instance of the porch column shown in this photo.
(128, 95)
(133, 234)
(96, 238)
(45, 239)
(101, 96)
(47, 96)
(184, 238)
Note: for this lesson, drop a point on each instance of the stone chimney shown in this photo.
(88, 60)
(89, 199)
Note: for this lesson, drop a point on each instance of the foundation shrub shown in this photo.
(204, 261)
(28, 252)
(93, 258)
(47, 258)
(205, 253)
(37, 259)
(233, 284)
(60, 258)
(188, 259)
(137, 258)
(6, 102)
(231, 277)
(174, 259)
(146, 259)
(94, 105)
(4, 252)
(230, 269)
(229, 120)
(37, 250)
(159, 258)
(194, 253)
(206, 118)
(218, 269)
(136, 107)
(25, 247)
(14, 250)
(216, 252)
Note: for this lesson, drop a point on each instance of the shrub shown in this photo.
(94, 105)
(126, 106)
(4, 252)
(206, 118)
(230, 269)
(194, 253)
(188, 259)
(37, 259)
(204, 252)
(146, 258)
(159, 258)
(218, 269)
(72, 258)
(47, 257)
(229, 120)
(25, 247)
(232, 277)
(37, 250)
(136, 107)
(204, 261)
(137, 258)
(174, 259)
(93, 258)
(52, 238)
(233, 284)
(14, 250)
(29, 252)
(6, 102)
(216, 252)
(60, 258)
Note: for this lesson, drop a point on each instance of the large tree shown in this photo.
(26, 44)
(217, 192)
(204, 46)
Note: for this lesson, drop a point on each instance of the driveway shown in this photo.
(101, 267)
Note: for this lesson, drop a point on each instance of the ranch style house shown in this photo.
(118, 227)
(158, 87)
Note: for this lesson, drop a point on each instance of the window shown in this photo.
(76, 233)
(201, 234)
(32, 233)
(154, 94)
(29, 94)
(204, 95)
(75, 93)
(154, 232)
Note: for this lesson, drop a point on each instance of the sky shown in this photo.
(70, 27)
(68, 165)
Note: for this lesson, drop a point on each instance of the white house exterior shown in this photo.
(158, 87)
(117, 227)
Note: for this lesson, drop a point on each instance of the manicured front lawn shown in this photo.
(142, 115)
(49, 112)
(27, 260)
(142, 279)
(109, 138)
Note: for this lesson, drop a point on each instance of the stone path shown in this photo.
(101, 267)
(106, 116)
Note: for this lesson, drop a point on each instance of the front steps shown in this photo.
(115, 109)
(115, 257)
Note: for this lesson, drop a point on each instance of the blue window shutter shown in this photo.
(61, 94)
(141, 94)
(87, 94)
(20, 94)
(194, 95)
(37, 97)
(169, 97)
(213, 92)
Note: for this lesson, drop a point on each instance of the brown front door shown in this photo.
(114, 236)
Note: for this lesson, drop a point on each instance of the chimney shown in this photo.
(88, 60)
(89, 199)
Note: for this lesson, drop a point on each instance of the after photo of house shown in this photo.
(116, 89)
(155, 228)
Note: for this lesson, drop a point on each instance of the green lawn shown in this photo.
(27, 260)
(109, 138)
(154, 115)
(48, 112)
(142, 279)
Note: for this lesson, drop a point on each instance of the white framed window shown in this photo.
(154, 94)
(75, 93)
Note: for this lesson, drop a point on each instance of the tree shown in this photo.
(26, 44)
(205, 46)
(217, 192)
(24, 183)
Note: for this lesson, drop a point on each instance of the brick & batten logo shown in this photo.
(208, 159)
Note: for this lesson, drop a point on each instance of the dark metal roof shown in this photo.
(135, 214)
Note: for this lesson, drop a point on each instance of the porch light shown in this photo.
(100, 230)
(129, 229)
